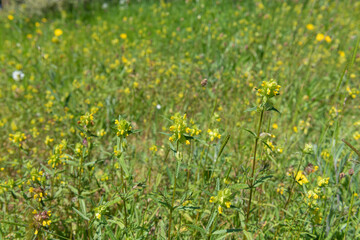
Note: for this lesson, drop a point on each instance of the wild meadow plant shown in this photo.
(166, 120)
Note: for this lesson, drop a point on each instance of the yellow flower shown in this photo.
(300, 178)
(214, 134)
(328, 39)
(312, 194)
(123, 128)
(275, 126)
(228, 204)
(10, 17)
(310, 27)
(220, 209)
(58, 32)
(123, 36)
(356, 135)
(322, 181)
(153, 148)
(320, 37)
(269, 89)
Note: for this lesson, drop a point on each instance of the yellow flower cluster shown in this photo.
(300, 177)
(123, 128)
(17, 138)
(41, 219)
(38, 193)
(37, 176)
(214, 134)
(352, 92)
(86, 119)
(153, 148)
(180, 129)
(356, 135)
(334, 112)
(79, 149)
(322, 181)
(269, 89)
(222, 199)
(58, 154)
(320, 37)
(280, 188)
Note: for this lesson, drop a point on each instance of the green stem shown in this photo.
(348, 219)
(173, 197)
(292, 185)
(211, 226)
(254, 163)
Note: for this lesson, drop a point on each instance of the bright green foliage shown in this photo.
(166, 119)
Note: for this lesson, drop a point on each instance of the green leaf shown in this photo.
(47, 170)
(252, 109)
(197, 228)
(220, 231)
(227, 230)
(81, 214)
(74, 190)
(110, 233)
(248, 235)
(82, 206)
(226, 140)
(259, 181)
(252, 133)
(239, 186)
(211, 220)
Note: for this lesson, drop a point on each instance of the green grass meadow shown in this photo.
(196, 119)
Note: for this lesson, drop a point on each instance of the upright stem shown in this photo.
(348, 219)
(254, 163)
(173, 196)
(292, 185)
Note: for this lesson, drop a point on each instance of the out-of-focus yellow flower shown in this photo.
(320, 37)
(123, 36)
(310, 27)
(328, 39)
(58, 32)
(322, 181)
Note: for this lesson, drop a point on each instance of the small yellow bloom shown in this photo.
(275, 126)
(220, 209)
(58, 32)
(123, 36)
(295, 129)
(310, 27)
(300, 178)
(228, 204)
(328, 39)
(10, 17)
(320, 37)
